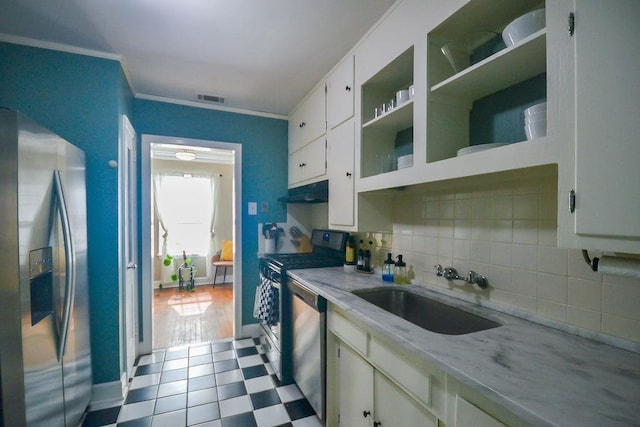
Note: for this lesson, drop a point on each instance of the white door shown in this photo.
(355, 389)
(128, 245)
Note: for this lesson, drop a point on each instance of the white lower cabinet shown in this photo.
(371, 383)
(368, 398)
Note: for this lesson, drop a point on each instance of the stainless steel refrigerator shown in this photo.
(45, 354)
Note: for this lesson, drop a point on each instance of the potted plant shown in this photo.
(184, 274)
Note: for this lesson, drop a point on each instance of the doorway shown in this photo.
(190, 205)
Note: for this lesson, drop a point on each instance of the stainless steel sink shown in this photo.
(429, 314)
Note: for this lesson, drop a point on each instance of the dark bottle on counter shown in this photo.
(387, 269)
(360, 265)
(367, 257)
(350, 252)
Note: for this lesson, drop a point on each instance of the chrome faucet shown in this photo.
(451, 273)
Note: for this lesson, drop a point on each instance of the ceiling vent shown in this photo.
(211, 98)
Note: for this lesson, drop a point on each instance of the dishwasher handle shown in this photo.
(311, 298)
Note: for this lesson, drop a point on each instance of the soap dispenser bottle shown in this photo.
(387, 269)
(400, 272)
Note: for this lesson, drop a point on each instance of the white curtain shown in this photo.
(181, 202)
(158, 200)
(215, 197)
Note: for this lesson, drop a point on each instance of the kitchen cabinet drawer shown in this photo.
(348, 332)
(366, 397)
(403, 372)
(468, 415)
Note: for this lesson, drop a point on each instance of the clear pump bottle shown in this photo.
(400, 272)
(387, 269)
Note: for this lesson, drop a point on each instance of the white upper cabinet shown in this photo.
(340, 154)
(601, 126)
(308, 164)
(307, 123)
(340, 92)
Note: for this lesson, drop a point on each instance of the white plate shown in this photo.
(476, 148)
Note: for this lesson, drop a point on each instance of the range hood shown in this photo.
(318, 192)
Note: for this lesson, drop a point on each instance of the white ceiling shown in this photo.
(261, 55)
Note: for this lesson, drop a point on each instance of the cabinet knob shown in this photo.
(302, 165)
(303, 124)
(377, 424)
(347, 88)
(348, 174)
(366, 413)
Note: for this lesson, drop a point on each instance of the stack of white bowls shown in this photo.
(535, 121)
(405, 161)
(523, 27)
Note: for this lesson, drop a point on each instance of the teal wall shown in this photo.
(81, 99)
(264, 166)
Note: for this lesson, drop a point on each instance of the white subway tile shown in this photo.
(553, 260)
(621, 300)
(480, 251)
(585, 294)
(502, 230)
(552, 310)
(588, 319)
(481, 208)
(501, 254)
(462, 209)
(525, 231)
(502, 207)
(462, 229)
(481, 229)
(621, 327)
(525, 206)
(524, 257)
(461, 249)
(552, 288)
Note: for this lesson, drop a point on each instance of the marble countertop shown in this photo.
(545, 376)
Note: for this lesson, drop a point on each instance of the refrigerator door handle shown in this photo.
(70, 260)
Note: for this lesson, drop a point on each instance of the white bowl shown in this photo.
(480, 147)
(536, 129)
(457, 55)
(536, 110)
(523, 27)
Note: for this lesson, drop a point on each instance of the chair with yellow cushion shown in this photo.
(224, 259)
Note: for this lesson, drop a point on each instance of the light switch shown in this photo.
(253, 208)
(264, 207)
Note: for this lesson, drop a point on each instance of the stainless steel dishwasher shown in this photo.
(309, 344)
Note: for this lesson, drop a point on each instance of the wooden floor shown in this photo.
(181, 317)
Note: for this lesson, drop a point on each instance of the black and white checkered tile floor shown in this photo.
(221, 384)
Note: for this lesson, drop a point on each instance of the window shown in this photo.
(185, 207)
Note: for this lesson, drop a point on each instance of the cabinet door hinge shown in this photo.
(572, 201)
(572, 24)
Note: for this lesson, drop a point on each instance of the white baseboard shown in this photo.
(252, 330)
(106, 395)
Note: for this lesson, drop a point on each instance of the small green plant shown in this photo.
(168, 260)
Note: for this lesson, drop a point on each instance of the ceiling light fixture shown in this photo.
(185, 155)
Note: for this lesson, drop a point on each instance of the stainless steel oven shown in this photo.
(277, 338)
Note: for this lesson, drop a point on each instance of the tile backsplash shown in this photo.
(507, 232)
